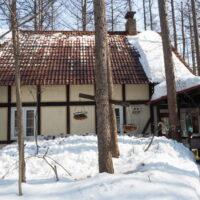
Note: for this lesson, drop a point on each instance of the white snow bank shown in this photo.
(166, 171)
(6, 37)
(149, 46)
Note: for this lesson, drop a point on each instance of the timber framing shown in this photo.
(151, 122)
(124, 99)
(38, 110)
(67, 103)
(9, 114)
(68, 108)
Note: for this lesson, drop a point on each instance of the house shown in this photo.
(58, 65)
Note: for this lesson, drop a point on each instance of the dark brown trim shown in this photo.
(6, 142)
(151, 91)
(158, 120)
(138, 102)
(124, 99)
(38, 110)
(95, 110)
(73, 103)
(146, 126)
(68, 108)
(9, 114)
(92, 97)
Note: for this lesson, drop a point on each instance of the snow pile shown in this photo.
(6, 37)
(149, 46)
(166, 171)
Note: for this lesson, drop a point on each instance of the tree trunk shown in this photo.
(35, 16)
(150, 14)
(169, 72)
(192, 42)
(112, 16)
(16, 54)
(174, 25)
(145, 19)
(52, 16)
(102, 98)
(130, 5)
(84, 14)
(41, 15)
(196, 35)
(113, 120)
(182, 30)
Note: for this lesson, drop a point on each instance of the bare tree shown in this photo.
(174, 25)
(183, 30)
(150, 14)
(81, 12)
(192, 44)
(196, 35)
(16, 54)
(144, 13)
(169, 72)
(102, 97)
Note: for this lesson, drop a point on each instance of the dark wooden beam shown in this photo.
(6, 142)
(95, 111)
(68, 108)
(9, 115)
(151, 91)
(116, 102)
(38, 110)
(73, 103)
(124, 99)
(146, 126)
(158, 120)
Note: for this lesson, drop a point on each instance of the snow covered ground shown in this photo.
(167, 171)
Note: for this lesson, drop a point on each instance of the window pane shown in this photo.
(117, 113)
(30, 131)
(30, 122)
(15, 125)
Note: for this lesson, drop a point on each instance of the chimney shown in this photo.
(131, 23)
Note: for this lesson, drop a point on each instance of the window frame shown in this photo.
(24, 118)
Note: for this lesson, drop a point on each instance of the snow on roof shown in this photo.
(160, 90)
(149, 46)
(6, 37)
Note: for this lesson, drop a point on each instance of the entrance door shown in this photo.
(119, 118)
(29, 122)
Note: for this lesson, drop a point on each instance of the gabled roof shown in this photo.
(61, 57)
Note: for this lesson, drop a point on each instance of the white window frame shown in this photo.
(24, 113)
(121, 118)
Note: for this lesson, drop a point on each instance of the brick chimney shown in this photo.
(131, 23)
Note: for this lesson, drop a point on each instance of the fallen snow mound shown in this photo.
(167, 171)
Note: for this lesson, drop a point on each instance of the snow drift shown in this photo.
(166, 171)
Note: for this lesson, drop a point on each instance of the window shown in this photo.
(29, 122)
(119, 118)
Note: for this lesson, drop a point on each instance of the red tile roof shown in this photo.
(61, 57)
